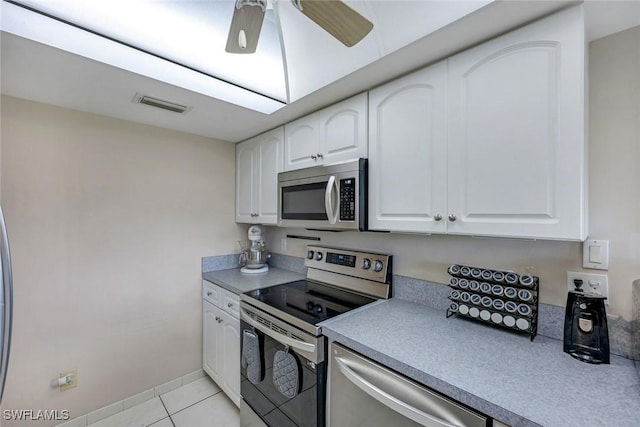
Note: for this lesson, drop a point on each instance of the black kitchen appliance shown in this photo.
(284, 354)
(586, 336)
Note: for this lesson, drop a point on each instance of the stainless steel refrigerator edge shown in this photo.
(6, 303)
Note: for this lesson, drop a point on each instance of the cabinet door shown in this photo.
(516, 133)
(211, 340)
(301, 143)
(229, 348)
(245, 181)
(408, 153)
(343, 130)
(270, 158)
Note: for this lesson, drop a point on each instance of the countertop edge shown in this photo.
(466, 398)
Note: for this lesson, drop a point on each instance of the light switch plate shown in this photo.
(595, 254)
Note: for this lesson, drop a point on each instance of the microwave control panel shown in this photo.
(348, 199)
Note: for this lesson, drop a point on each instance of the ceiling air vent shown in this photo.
(160, 103)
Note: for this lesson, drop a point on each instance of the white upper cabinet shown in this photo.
(517, 133)
(408, 153)
(258, 162)
(490, 142)
(331, 135)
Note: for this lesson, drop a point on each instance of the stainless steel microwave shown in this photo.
(330, 197)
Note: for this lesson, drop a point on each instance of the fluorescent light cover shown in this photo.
(37, 27)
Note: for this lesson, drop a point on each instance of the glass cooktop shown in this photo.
(309, 301)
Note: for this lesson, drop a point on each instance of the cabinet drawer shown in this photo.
(211, 293)
(231, 303)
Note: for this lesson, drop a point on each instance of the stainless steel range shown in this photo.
(283, 375)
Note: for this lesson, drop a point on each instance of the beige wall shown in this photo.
(108, 221)
(614, 194)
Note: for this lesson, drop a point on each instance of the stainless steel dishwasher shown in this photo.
(364, 393)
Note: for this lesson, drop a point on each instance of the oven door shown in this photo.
(302, 405)
(324, 197)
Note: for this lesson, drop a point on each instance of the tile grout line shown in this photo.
(167, 411)
(193, 404)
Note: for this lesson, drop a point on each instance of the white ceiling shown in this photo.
(39, 72)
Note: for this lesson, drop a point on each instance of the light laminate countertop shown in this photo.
(504, 375)
(235, 281)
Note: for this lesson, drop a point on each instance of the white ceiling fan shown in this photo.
(334, 16)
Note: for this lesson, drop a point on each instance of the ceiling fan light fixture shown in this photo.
(245, 27)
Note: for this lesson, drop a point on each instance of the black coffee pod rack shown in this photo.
(500, 298)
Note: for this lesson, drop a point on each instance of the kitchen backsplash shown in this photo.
(624, 336)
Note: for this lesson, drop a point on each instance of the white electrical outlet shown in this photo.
(594, 283)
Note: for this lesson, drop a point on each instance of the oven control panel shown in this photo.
(364, 265)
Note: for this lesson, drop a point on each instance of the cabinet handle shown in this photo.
(438, 217)
(218, 319)
(229, 304)
(314, 157)
(452, 218)
(320, 155)
(209, 293)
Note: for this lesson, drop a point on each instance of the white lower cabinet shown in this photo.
(490, 142)
(221, 339)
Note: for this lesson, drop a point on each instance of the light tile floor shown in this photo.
(197, 404)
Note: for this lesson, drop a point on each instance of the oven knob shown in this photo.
(318, 256)
(377, 266)
(366, 263)
(318, 308)
(309, 254)
(310, 306)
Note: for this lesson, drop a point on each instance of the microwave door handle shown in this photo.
(332, 211)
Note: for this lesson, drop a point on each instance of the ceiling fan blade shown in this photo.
(247, 18)
(338, 19)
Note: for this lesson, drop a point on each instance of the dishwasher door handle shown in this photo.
(388, 400)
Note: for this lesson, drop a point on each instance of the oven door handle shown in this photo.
(387, 399)
(283, 339)
(332, 211)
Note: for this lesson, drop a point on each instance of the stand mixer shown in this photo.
(253, 255)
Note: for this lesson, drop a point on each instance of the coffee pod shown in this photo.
(498, 276)
(486, 275)
(476, 299)
(498, 304)
(511, 306)
(510, 292)
(476, 273)
(474, 285)
(454, 269)
(464, 296)
(525, 295)
(524, 309)
(485, 287)
(453, 281)
(486, 301)
(526, 280)
(463, 309)
(485, 314)
(454, 307)
(463, 283)
(511, 278)
(474, 312)
(496, 318)
(465, 271)
(522, 324)
(497, 290)
(509, 321)
(455, 294)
